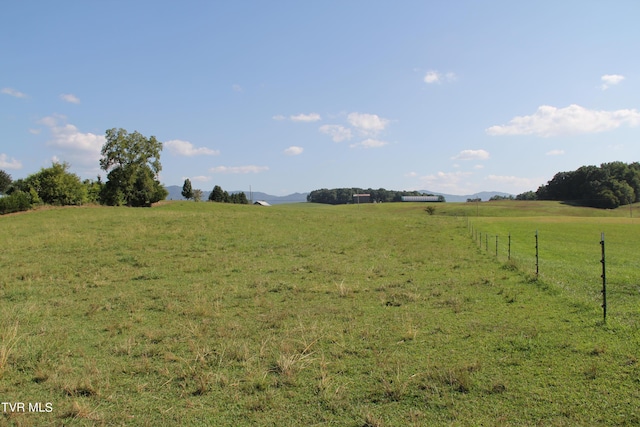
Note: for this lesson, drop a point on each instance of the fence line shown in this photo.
(476, 236)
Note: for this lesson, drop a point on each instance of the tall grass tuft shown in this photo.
(8, 340)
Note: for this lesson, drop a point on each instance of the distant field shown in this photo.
(303, 314)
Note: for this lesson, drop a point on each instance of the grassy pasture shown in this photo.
(370, 315)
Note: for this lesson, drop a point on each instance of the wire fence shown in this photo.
(595, 268)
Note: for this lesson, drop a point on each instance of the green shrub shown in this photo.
(57, 186)
(16, 202)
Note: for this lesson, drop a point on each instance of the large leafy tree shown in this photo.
(132, 162)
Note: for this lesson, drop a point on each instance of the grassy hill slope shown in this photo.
(380, 315)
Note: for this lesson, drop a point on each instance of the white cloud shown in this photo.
(239, 169)
(237, 88)
(471, 155)
(550, 121)
(338, 133)
(12, 92)
(313, 117)
(432, 77)
(609, 80)
(367, 124)
(81, 149)
(411, 174)
(448, 182)
(5, 163)
(514, 183)
(198, 178)
(69, 97)
(555, 153)
(293, 151)
(436, 77)
(369, 143)
(185, 148)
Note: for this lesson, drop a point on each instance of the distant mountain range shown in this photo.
(176, 190)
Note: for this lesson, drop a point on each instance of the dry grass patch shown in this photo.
(82, 411)
(8, 340)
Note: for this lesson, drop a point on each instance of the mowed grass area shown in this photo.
(370, 315)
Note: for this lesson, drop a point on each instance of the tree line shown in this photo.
(606, 186)
(132, 164)
(342, 196)
(217, 194)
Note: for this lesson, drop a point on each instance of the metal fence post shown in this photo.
(537, 259)
(509, 250)
(604, 280)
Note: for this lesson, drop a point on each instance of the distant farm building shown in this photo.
(362, 198)
(261, 203)
(421, 198)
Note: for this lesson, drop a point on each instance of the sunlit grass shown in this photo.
(208, 314)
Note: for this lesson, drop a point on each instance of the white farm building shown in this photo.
(420, 198)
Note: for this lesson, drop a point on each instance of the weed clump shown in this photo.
(81, 411)
(510, 265)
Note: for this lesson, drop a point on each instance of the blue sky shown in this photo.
(291, 96)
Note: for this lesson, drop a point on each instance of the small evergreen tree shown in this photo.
(217, 195)
(187, 189)
(242, 198)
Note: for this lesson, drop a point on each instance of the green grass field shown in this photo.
(302, 314)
